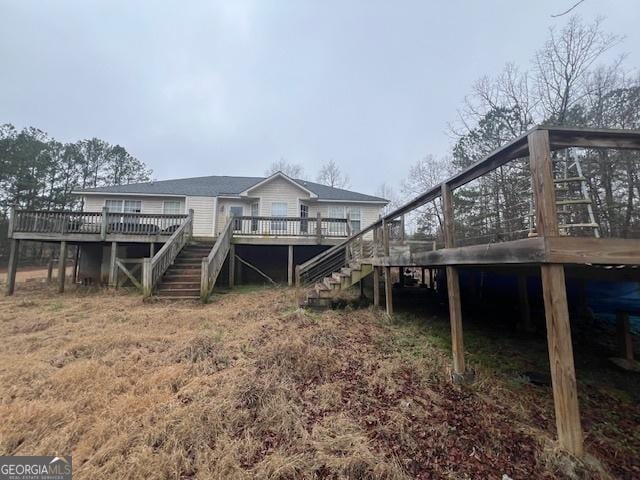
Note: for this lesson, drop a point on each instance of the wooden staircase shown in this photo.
(182, 279)
(325, 291)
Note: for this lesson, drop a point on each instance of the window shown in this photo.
(124, 206)
(304, 215)
(337, 228)
(279, 209)
(114, 205)
(132, 206)
(354, 219)
(255, 212)
(236, 212)
(172, 207)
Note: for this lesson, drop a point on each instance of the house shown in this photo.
(271, 224)
(215, 198)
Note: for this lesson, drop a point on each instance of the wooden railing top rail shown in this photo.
(559, 138)
(99, 212)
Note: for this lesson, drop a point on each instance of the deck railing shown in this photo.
(62, 222)
(154, 268)
(290, 227)
(212, 264)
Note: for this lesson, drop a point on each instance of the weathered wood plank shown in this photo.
(604, 251)
(62, 266)
(565, 394)
(12, 268)
(455, 316)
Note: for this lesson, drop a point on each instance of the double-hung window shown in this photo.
(132, 206)
(337, 228)
(279, 213)
(354, 219)
(114, 205)
(172, 207)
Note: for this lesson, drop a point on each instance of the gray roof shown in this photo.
(214, 186)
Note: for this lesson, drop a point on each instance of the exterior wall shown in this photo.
(223, 206)
(94, 203)
(279, 190)
(204, 212)
(368, 212)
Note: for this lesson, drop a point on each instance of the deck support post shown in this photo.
(50, 270)
(290, 266)
(113, 272)
(62, 266)
(523, 305)
(232, 265)
(147, 281)
(563, 376)
(104, 224)
(14, 254)
(388, 291)
(624, 336)
(376, 286)
(152, 249)
(453, 289)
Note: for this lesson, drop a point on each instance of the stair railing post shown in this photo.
(190, 234)
(204, 279)
(12, 221)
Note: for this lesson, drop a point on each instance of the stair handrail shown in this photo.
(154, 268)
(212, 264)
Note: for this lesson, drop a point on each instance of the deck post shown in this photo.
(62, 266)
(50, 270)
(563, 376)
(12, 221)
(318, 227)
(624, 336)
(232, 265)
(190, 223)
(453, 288)
(113, 272)
(376, 286)
(388, 291)
(290, 266)
(152, 249)
(14, 255)
(76, 259)
(147, 287)
(105, 223)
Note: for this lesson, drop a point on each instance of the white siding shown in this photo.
(94, 203)
(368, 212)
(222, 210)
(279, 190)
(203, 215)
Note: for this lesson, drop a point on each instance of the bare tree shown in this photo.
(562, 64)
(293, 170)
(387, 192)
(331, 175)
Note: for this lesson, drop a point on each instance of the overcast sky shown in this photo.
(226, 88)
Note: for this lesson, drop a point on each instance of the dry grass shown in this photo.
(245, 387)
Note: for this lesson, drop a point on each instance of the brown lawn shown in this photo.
(251, 387)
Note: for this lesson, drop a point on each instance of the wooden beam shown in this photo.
(565, 393)
(586, 250)
(62, 266)
(232, 265)
(113, 273)
(290, 266)
(129, 274)
(376, 286)
(257, 270)
(12, 268)
(388, 291)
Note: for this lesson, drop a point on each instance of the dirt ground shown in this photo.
(250, 386)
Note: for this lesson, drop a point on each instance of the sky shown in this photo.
(198, 88)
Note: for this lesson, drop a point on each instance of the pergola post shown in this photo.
(62, 266)
(453, 288)
(563, 376)
(14, 254)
